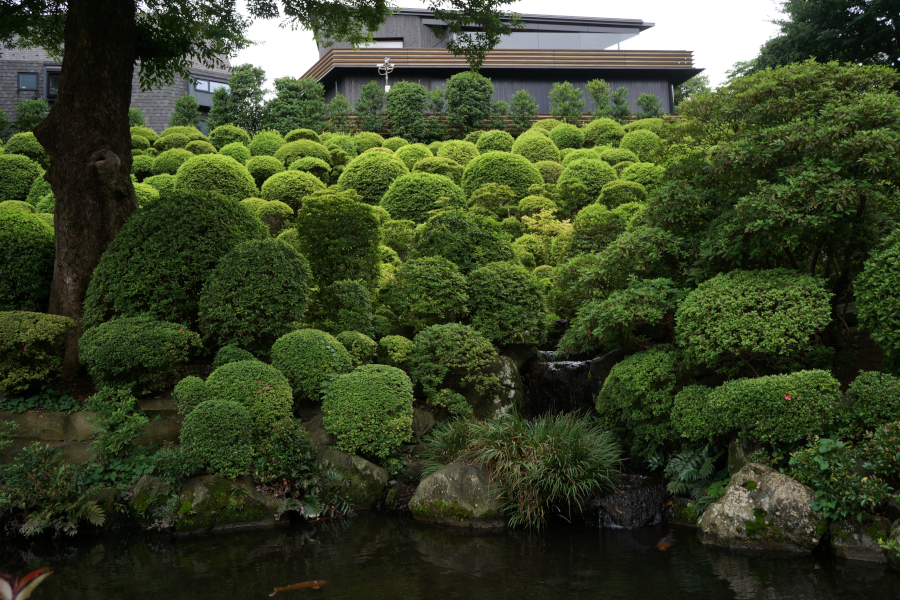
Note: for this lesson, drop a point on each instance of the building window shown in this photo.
(28, 82)
(205, 85)
(386, 43)
(201, 85)
(214, 85)
(52, 84)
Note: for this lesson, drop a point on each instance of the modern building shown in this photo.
(31, 74)
(547, 49)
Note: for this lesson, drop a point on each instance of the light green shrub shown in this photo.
(491, 200)
(236, 150)
(427, 291)
(877, 291)
(200, 147)
(27, 252)
(549, 170)
(224, 135)
(495, 140)
(501, 168)
(532, 205)
(616, 155)
(230, 354)
(459, 151)
(412, 153)
(440, 166)
(367, 139)
(395, 350)
(169, 161)
(145, 132)
(302, 134)
(262, 389)
(171, 142)
(647, 174)
(142, 167)
(262, 167)
(39, 188)
(394, 143)
(595, 227)
(603, 132)
(535, 147)
(643, 142)
(453, 355)
(266, 143)
(25, 144)
(191, 133)
(371, 174)
(43, 335)
(214, 173)
(621, 191)
(464, 239)
(275, 215)
(310, 358)
(302, 148)
(412, 196)
(360, 346)
(581, 182)
(291, 187)
(565, 135)
(146, 194)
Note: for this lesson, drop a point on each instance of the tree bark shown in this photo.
(87, 137)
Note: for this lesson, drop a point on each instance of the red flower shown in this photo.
(181, 329)
(268, 386)
(787, 397)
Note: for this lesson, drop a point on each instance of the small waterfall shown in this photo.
(638, 502)
(557, 386)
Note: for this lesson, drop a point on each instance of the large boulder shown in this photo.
(319, 438)
(365, 480)
(423, 422)
(856, 540)
(459, 494)
(763, 509)
(510, 397)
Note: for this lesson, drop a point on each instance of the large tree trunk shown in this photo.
(87, 137)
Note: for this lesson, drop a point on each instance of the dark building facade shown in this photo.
(546, 50)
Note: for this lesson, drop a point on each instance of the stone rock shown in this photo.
(738, 455)
(859, 541)
(602, 365)
(38, 426)
(511, 394)
(423, 422)
(148, 497)
(413, 469)
(397, 498)
(459, 494)
(682, 511)
(159, 432)
(519, 354)
(763, 509)
(893, 555)
(210, 503)
(163, 407)
(365, 480)
(318, 437)
(107, 497)
(639, 501)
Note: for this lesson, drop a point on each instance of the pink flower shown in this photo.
(787, 397)
(181, 330)
(26, 349)
(268, 386)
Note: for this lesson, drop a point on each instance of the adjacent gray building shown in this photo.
(547, 49)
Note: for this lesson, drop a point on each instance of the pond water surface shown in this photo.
(373, 557)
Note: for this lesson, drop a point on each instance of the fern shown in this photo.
(693, 473)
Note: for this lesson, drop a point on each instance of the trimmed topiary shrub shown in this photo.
(547, 125)
(440, 166)
(45, 205)
(581, 182)
(170, 161)
(620, 191)
(190, 132)
(256, 293)
(230, 354)
(395, 350)
(315, 166)
(367, 139)
(223, 135)
(459, 151)
(215, 433)
(291, 187)
(139, 142)
(189, 393)
(301, 134)
(654, 124)
(615, 156)
(603, 132)
(398, 235)
(262, 389)
(266, 143)
(236, 150)
(40, 187)
(647, 174)
(643, 142)
(877, 291)
(371, 174)
(344, 305)
(275, 215)
(532, 205)
(565, 135)
(161, 257)
(27, 252)
(369, 410)
(467, 240)
(145, 132)
(595, 228)
(491, 200)
(138, 353)
(427, 291)
(310, 358)
(17, 205)
(200, 147)
(573, 155)
(17, 175)
(171, 141)
(505, 169)
(549, 170)
(31, 348)
(535, 147)
(360, 346)
(414, 195)
(301, 149)
(874, 400)
(507, 304)
(215, 173)
(494, 140)
(394, 143)
(413, 153)
(25, 144)
(263, 167)
(146, 194)
(142, 167)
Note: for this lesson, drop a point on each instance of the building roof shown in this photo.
(533, 22)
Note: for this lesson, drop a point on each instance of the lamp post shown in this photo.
(385, 69)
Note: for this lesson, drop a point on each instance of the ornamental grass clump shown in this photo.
(216, 434)
(262, 389)
(31, 348)
(310, 358)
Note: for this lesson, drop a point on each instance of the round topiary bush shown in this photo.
(171, 141)
(532, 205)
(369, 411)
(877, 291)
(302, 134)
(262, 389)
(343, 142)
(310, 358)
(25, 144)
(643, 142)
(379, 149)
(746, 315)
(621, 191)
(459, 151)
(215, 173)
(146, 194)
(505, 169)
(189, 131)
(453, 355)
(615, 156)
(200, 147)
(300, 149)
(395, 350)
(492, 200)
(230, 354)
(494, 140)
(413, 153)
(266, 143)
(223, 135)
(145, 132)
(40, 187)
(189, 393)
(170, 161)
(139, 142)
(142, 167)
(263, 167)
(394, 143)
(27, 252)
(215, 433)
(236, 150)
(413, 195)
(275, 215)
(535, 147)
(164, 184)
(565, 135)
(573, 155)
(467, 240)
(581, 183)
(138, 353)
(371, 174)
(315, 166)
(17, 174)
(162, 256)
(17, 205)
(547, 125)
(595, 227)
(647, 174)
(360, 346)
(603, 132)
(45, 205)
(427, 291)
(367, 139)
(874, 400)
(507, 304)
(255, 294)
(291, 187)
(440, 166)
(654, 124)
(549, 170)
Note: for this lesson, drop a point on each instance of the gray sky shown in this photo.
(719, 32)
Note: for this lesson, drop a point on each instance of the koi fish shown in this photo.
(315, 584)
(666, 543)
(20, 589)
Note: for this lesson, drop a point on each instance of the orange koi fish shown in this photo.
(315, 584)
(666, 543)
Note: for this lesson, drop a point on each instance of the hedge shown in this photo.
(230, 354)
(395, 350)
(146, 194)
(191, 133)
(31, 348)
(310, 358)
(145, 132)
(414, 195)
(27, 252)
(142, 166)
(647, 174)
(616, 155)
(502, 168)
(394, 143)
(171, 141)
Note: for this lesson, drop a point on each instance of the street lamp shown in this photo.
(385, 69)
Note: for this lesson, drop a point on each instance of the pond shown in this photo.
(374, 557)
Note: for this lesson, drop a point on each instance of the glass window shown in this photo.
(52, 84)
(214, 85)
(385, 44)
(28, 81)
(201, 85)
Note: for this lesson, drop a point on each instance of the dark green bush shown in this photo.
(189, 393)
(453, 356)
(275, 215)
(643, 142)
(405, 111)
(874, 400)
(302, 134)
(507, 304)
(310, 358)
(236, 150)
(39, 188)
(581, 182)
(535, 147)
(490, 199)
(395, 350)
(398, 235)
(302, 148)
(31, 348)
(215, 433)
(169, 161)
(291, 187)
(647, 174)
(603, 132)
(466, 240)
(549, 170)
(266, 143)
(360, 346)
(505, 169)
(469, 100)
(142, 166)
(137, 353)
(25, 144)
(595, 228)
(412, 153)
(27, 252)
(162, 256)
(200, 147)
(427, 291)
(344, 305)
(620, 191)
(223, 135)
(440, 166)
(877, 291)
(495, 140)
(263, 167)
(369, 410)
(254, 295)
(371, 174)
(230, 354)
(567, 136)
(367, 139)
(17, 174)
(412, 196)
(171, 142)
(214, 173)
(46, 205)
(262, 389)
(459, 151)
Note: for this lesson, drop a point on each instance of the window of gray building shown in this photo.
(52, 90)
(385, 43)
(28, 82)
(205, 85)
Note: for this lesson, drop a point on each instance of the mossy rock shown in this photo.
(459, 494)
(682, 511)
(855, 540)
(211, 503)
(365, 480)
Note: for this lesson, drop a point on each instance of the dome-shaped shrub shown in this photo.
(620, 192)
(164, 184)
(302, 134)
(310, 358)
(189, 131)
(302, 148)
(254, 204)
(643, 142)
(581, 182)
(266, 143)
(17, 205)
(200, 147)
(27, 251)
(602, 132)
(371, 174)
(369, 410)
(262, 389)
(45, 205)
(216, 434)
(17, 174)
(291, 187)
(223, 135)
(360, 346)
(507, 304)
(215, 173)
(171, 141)
(547, 125)
(565, 135)
(142, 167)
(138, 353)
(343, 305)
(620, 167)
(40, 187)
(616, 155)
(236, 150)
(467, 240)
(413, 195)
(315, 166)
(535, 147)
(161, 257)
(367, 139)
(647, 174)
(459, 151)
(630, 213)
(170, 160)
(653, 124)
(440, 166)
(262, 167)
(495, 139)
(25, 144)
(531, 205)
(549, 170)
(453, 352)
(146, 194)
(345, 143)
(395, 350)
(413, 153)
(491, 200)
(230, 354)
(394, 143)
(435, 146)
(379, 149)
(595, 227)
(189, 393)
(589, 153)
(428, 291)
(145, 132)
(505, 169)
(255, 294)
(139, 142)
